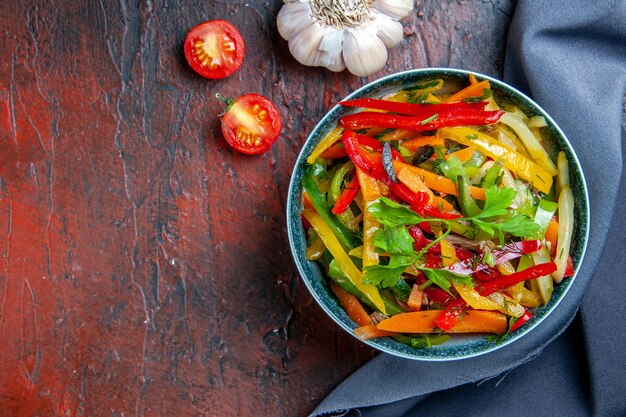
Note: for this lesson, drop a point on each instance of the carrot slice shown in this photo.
(438, 182)
(336, 151)
(415, 298)
(352, 306)
(472, 79)
(370, 331)
(414, 144)
(399, 134)
(472, 321)
(552, 234)
(473, 90)
(464, 154)
(306, 201)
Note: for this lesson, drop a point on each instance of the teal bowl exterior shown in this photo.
(458, 346)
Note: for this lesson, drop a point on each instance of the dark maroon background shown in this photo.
(144, 266)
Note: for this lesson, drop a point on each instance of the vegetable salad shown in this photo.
(437, 210)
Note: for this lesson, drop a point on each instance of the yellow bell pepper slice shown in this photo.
(496, 301)
(448, 253)
(523, 167)
(345, 263)
(371, 192)
(532, 145)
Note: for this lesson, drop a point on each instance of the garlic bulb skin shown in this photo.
(396, 9)
(339, 34)
(364, 52)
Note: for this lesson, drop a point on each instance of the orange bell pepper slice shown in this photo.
(370, 331)
(473, 90)
(352, 306)
(472, 321)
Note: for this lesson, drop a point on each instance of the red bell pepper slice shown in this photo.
(510, 251)
(569, 268)
(347, 196)
(487, 274)
(423, 110)
(375, 169)
(420, 241)
(500, 283)
(369, 141)
(463, 117)
(434, 294)
(450, 317)
(352, 146)
(463, 254)
(521, 321)
(432, 261)
(375, 145)
(425, 226)
(431, 211)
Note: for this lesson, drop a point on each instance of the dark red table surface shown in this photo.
(144, 266)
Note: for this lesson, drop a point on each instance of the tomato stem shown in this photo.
(226, 100)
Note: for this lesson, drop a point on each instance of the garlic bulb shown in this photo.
(343, 33)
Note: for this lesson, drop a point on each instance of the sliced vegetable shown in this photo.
(532, 145)
(473, 321)
(321, 207)
(345, 263)
(543, 285)
(521, 321)
(521, 166)
(215, 49)
(371, 192)
(543, 216)
(329, 140)
(415, 298)
(438, 182)
(464, 117)
(504, 281)
(421, 110)
(466, 201)
(335, 151)
(347, 196)
(473, 90)
(352, 306)
(562, 178)
(414, 144)
(370, 331)
(566, 230)
(251, 123)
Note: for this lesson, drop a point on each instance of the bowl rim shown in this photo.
(561, 139)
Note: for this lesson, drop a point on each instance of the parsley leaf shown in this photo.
(497, 200)
(391, 213)
(520, 226)
(387, 275)
(395, 240)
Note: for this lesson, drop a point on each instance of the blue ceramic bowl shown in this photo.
(458, 346)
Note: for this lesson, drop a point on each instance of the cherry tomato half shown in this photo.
(215, 49)
(251, 124)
